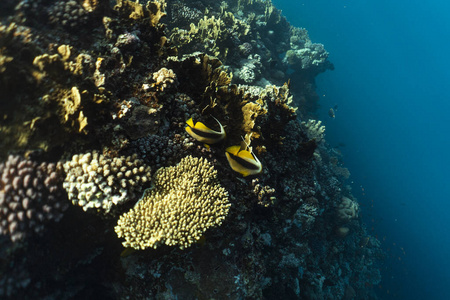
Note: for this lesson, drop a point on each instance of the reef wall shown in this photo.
(105, 194)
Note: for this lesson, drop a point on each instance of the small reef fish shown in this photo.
(331, 113)
(242, 160)
(204, 134)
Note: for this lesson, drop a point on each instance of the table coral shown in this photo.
(96, 182)
(185, 201)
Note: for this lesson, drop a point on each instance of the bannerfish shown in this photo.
(204, 134)
(242, 160)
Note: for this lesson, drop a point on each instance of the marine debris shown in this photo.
(94, 100)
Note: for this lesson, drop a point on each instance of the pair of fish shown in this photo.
(240, 157)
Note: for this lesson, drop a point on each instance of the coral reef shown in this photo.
(96, 182)
(123, 77)
(305, 55)
(183, 203)
(30, 196)
(254, 41)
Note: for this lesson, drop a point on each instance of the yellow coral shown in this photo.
(153, 11)
(185, 201)
(164, 78)
(212, 33)
(250, 112)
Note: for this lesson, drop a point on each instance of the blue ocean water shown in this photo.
(391, 84)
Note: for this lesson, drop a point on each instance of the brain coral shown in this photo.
(185, 201)
(30, 195)
(94, 181)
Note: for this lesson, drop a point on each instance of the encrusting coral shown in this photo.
(69, 14)
(158, 151)
(163, 79)
(94, 181)
(185, 201)
(30, 195)
(347, 210)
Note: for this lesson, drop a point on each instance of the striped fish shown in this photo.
(204, 134)
(242, 160)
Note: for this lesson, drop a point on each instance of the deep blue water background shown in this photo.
(392, 88)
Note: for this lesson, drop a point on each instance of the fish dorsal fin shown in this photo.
(216, 120)
(220, 125)
(243, 145)
(190, 122)
(233, 150)
(245, 154)
(201, 126)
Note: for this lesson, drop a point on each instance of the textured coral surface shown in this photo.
(104, 88)
(94, 181)
(183, 203)
(30, 195)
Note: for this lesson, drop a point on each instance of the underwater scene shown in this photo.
(177, 149)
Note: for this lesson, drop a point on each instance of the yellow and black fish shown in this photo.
(242, 160)
(204, 134)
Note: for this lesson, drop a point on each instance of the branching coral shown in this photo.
(185, 201)
(264, 193)
(314, 130)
